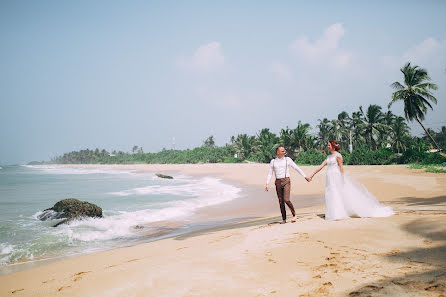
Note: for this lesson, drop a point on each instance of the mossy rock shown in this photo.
(70, 209)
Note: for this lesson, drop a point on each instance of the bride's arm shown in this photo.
(340, 164)
(319, 169)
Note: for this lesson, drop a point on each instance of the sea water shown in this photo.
(135, 206)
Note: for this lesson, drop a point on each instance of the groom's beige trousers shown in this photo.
(283, 190)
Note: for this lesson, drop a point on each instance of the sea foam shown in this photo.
(201, 192)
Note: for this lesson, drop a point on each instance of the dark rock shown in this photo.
(70, 209)
(164, 176)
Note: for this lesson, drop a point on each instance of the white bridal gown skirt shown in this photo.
(345, 197)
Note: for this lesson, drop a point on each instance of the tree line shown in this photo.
(377, 136)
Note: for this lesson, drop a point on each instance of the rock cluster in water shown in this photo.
(70, 209)
(164, 176)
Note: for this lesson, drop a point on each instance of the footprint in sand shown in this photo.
(272, 261)
(182, 248)
(132, 260)
(47, 281)
(82, 272)
(63, 288)
(78, 277)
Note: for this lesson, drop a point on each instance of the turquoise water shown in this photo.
(127, 198)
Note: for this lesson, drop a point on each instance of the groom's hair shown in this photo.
(277, 148)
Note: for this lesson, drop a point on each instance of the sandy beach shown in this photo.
(253, 255)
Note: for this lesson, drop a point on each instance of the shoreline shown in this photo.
(400, 255)
(206, 219)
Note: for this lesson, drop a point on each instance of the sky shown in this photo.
(114, 74)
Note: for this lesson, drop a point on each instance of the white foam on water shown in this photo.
(203, 192)
(117, 226)
(6, 248)
(52, 169)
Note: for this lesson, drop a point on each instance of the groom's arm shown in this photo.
(295, 167)
(270, 174)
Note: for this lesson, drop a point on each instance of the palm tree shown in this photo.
(209, 142)
(334, 131)
(372, 122)
(287, 140)
(324, 132)
(300, 135)
(344, 123)
(415, 93)
(266, 144)
(400, 131)
(357, 129)
(385, 134)
(244, 146)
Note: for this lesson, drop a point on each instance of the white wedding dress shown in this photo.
(344, 197)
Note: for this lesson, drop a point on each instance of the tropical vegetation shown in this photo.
(369, 135)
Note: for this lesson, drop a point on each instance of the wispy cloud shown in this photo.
(324, 50)
(206, 58)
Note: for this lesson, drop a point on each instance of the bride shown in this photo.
(344, 197)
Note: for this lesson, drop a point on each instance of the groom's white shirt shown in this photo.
(278, 166)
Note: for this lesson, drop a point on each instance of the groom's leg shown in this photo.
(280, 192)
(286, 196)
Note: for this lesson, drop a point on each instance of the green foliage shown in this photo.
(364, 156)
(421, 157)
(311, 157)
(416, 94)
(433, 168)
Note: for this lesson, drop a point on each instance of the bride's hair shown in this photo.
(335, 145)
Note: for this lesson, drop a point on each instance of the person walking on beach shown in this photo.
(283, 183)
(345, 197)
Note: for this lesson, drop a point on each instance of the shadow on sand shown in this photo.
(426, 266)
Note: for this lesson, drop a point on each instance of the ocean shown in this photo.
(137, 207)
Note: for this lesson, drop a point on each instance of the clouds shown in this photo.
(429, 54)
(206, 58)
(428, 51)
(325, 50)
(314, 76)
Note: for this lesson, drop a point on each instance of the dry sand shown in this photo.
(403, 255)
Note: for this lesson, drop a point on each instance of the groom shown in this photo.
(283, 183)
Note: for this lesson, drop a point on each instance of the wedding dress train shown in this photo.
(345, 197)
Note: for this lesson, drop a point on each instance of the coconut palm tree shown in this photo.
(287, 140)
(300, 135)
(324, 132)
(344, 123)
(385, 135)
(244, 146)
(372, 123)
(416, 94)
(357, 129)
(266, 145)
(400, 131)
(334, 131)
